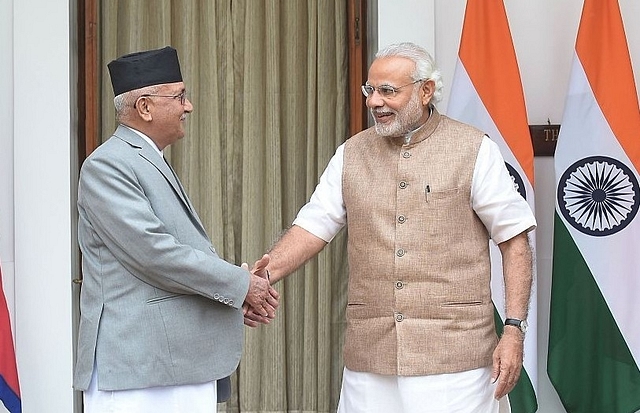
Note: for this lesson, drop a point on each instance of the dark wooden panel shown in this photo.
(544, 139)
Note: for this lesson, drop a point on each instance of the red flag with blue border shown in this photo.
(9, 385)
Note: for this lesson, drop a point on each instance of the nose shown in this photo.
(374, 100)
(188, 106)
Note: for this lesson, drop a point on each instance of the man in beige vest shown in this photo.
(422, 195)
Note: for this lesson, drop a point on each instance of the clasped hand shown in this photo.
(262, 300)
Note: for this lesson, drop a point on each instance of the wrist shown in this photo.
(512, 334)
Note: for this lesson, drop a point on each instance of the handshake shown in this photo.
(260, 304)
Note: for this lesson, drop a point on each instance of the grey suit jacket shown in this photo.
(158, 306)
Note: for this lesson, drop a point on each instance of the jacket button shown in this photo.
(406, 154)
(402, 185)
(400, 252)
(399, 285)
(402, 219)
(226, 301)
(399, 317)
(216, 296)
(230, 302)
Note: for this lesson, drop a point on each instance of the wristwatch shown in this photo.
(521, 324)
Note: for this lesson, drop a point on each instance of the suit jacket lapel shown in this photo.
(151, 155)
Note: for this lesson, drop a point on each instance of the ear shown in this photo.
(143, 108)
(426, 91)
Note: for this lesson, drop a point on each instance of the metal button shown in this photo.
(400, 252)
(406, 154)
(226, 301)
(403, 185)
(399, 285)
(399, 317)
(402, 219)
(230, 302)
(216, 296)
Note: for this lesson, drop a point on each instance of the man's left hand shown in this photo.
(507, 361)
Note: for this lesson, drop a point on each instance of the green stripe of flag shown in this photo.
(589, 362)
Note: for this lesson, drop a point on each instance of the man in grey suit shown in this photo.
(161, 325)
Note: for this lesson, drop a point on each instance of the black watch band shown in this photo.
(521, 324)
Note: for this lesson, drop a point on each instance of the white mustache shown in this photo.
(383, 112)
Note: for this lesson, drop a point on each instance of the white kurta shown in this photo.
(467, 392)
(190, 398)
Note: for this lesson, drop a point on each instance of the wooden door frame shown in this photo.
(357, 24)
(88, 71)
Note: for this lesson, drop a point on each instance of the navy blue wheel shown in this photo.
(518, 183)
(598, 195)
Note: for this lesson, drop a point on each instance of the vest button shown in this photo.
(399, 317)
(403, 184)
(406, 154)
(402, 219)
(400, 252)
(399, 285)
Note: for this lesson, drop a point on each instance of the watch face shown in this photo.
(521, 324)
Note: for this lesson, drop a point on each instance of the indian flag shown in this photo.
(594, 337)
(487, 93)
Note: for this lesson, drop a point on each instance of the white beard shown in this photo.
(405, 120)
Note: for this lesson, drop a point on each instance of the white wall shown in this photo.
(35, 197)
(544, 34)
(6, 154)
(406, 20)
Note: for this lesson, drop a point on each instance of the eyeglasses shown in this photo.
(182, 96)
(386, 91)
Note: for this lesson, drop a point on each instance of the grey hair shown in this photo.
(425, 64)
(124, 102)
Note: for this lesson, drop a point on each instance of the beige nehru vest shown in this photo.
(419, 284)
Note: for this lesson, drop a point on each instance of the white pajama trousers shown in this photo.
(192, 398)
(464, 392)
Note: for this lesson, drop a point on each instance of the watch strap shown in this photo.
(516, 323)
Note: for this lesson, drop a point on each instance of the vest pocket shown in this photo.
(361, 311)
(433, 194)
(471, 303)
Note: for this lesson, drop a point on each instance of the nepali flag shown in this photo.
(9, 386)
